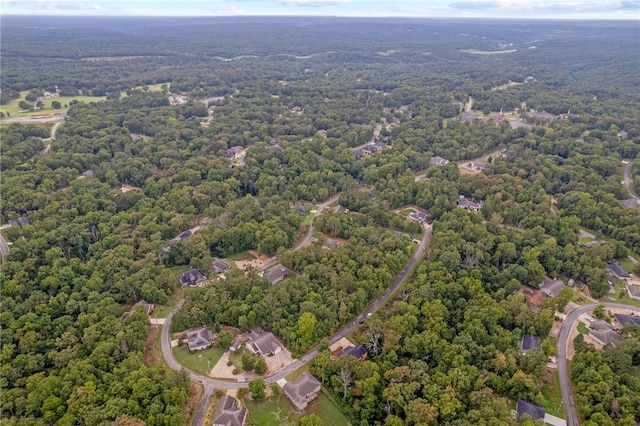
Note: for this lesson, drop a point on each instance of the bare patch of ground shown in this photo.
(152, 354)
(124, 188)
(223, 371)
(584, 234)
(258, 261)
(340, 345)
(195, 393)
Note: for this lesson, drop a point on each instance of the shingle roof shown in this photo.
(199, 339)
(617, 269)
(263, 342)
(628, 319)
(275, 274)
(530, 342)
(552, 286)
(355, 351)
(297, 390)
(219, 265)
(228, 413)
(524, 407)
(191, 277)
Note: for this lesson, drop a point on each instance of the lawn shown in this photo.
(585, 240)
(583, 328)
(198, 361)
(278, 411)
(160, 311)
(619, 286)
(407, 212)
(308, 219)
(241, 256)
(14, 110)
(553, 396)
(236, 357)
(627, 264)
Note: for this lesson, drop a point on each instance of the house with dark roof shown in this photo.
(340, 209)
(551, 288)
(233, 152)
(359, 153)
(276, 274)
(302, 390)
(603, 332)
(529, 342)
(184, 235)
(417, 217)
(359, 351)
(218, 266)
(469, 203)
(616, 269)
(23, 221)
(87, 174)
(301, 210)
(229, 413)
(631, 203)
(524, 407)
(263, 343)
(148, 307)
(633, 291)
(438, 161)
(192, 277)
(330, 244)
(625, 319)
(199, 339)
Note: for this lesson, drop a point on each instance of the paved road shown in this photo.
(4, 249)
(210, 385)
(307, 237)
(628, 180)
(563, 373)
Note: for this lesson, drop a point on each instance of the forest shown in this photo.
(143, 157)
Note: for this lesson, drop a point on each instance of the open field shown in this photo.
(13, 109)
(198, 361)
(552, 394)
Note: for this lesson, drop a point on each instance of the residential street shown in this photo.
(210, 384)
(563, 373)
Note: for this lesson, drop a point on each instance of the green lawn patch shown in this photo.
(585, 240)
(160, 311)
(627, 264)
(241, 256)
(553, 396)
(407, 212)
(198, 361)
(236, 357)
(308, 219)
(14, 110)
(583, 328)
(277, 411)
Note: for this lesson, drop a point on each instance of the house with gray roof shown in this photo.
(276, 274)
(618, 270)
(302, 390)
(218, 266)
(603, 332)
(200, 338)
(417, 217)
(529, 342)
(263, 343)
(625, 319)
(192, 277)
(359, 351)
(229, 413)
(633, 291)
(340, 209)
(438, 161)
(550, 287)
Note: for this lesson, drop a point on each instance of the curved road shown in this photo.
(210, 384)
(563, 373)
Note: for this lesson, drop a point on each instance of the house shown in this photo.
(184, 235)
(631, 203)
(625, 319)
(330, 244)
(276, 274)
(340, 209)
(302, 390)
(274, 148)
(301, 210)
(200, 338)
(23, 221)
(551, 288)
(359, 351)
(616, 269)
(469, 204)
(482, 165)
(234, 152)
(438, 161)
(192, 277)
(218, 266)
(633, 291)
(591, 244)
(263, 343)
(359, 153)
(229, 413)
(523, 407)
(148, 307)
(417, 217)
(529, 342)
(87, 174)
(235, 345)
(604, 337)
(622, 134)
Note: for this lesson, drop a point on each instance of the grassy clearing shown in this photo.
(14, 110)
(198, 361)
(276, 411)
(627, 264)
(620, 296)
(236, 357)
(583, 328)
(552, 395)
(160, 311)
(407, 212)
(308, 219)
(241, 256)
(585, 240)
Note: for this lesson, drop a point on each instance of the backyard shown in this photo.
(276, 411)
(552, 395)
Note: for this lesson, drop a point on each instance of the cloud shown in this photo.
(52, 5)
(575, 7)
(467, 5)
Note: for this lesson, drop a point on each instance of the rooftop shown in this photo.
(530, 342)
(524, 407)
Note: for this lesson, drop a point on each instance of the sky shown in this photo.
(531, 9)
